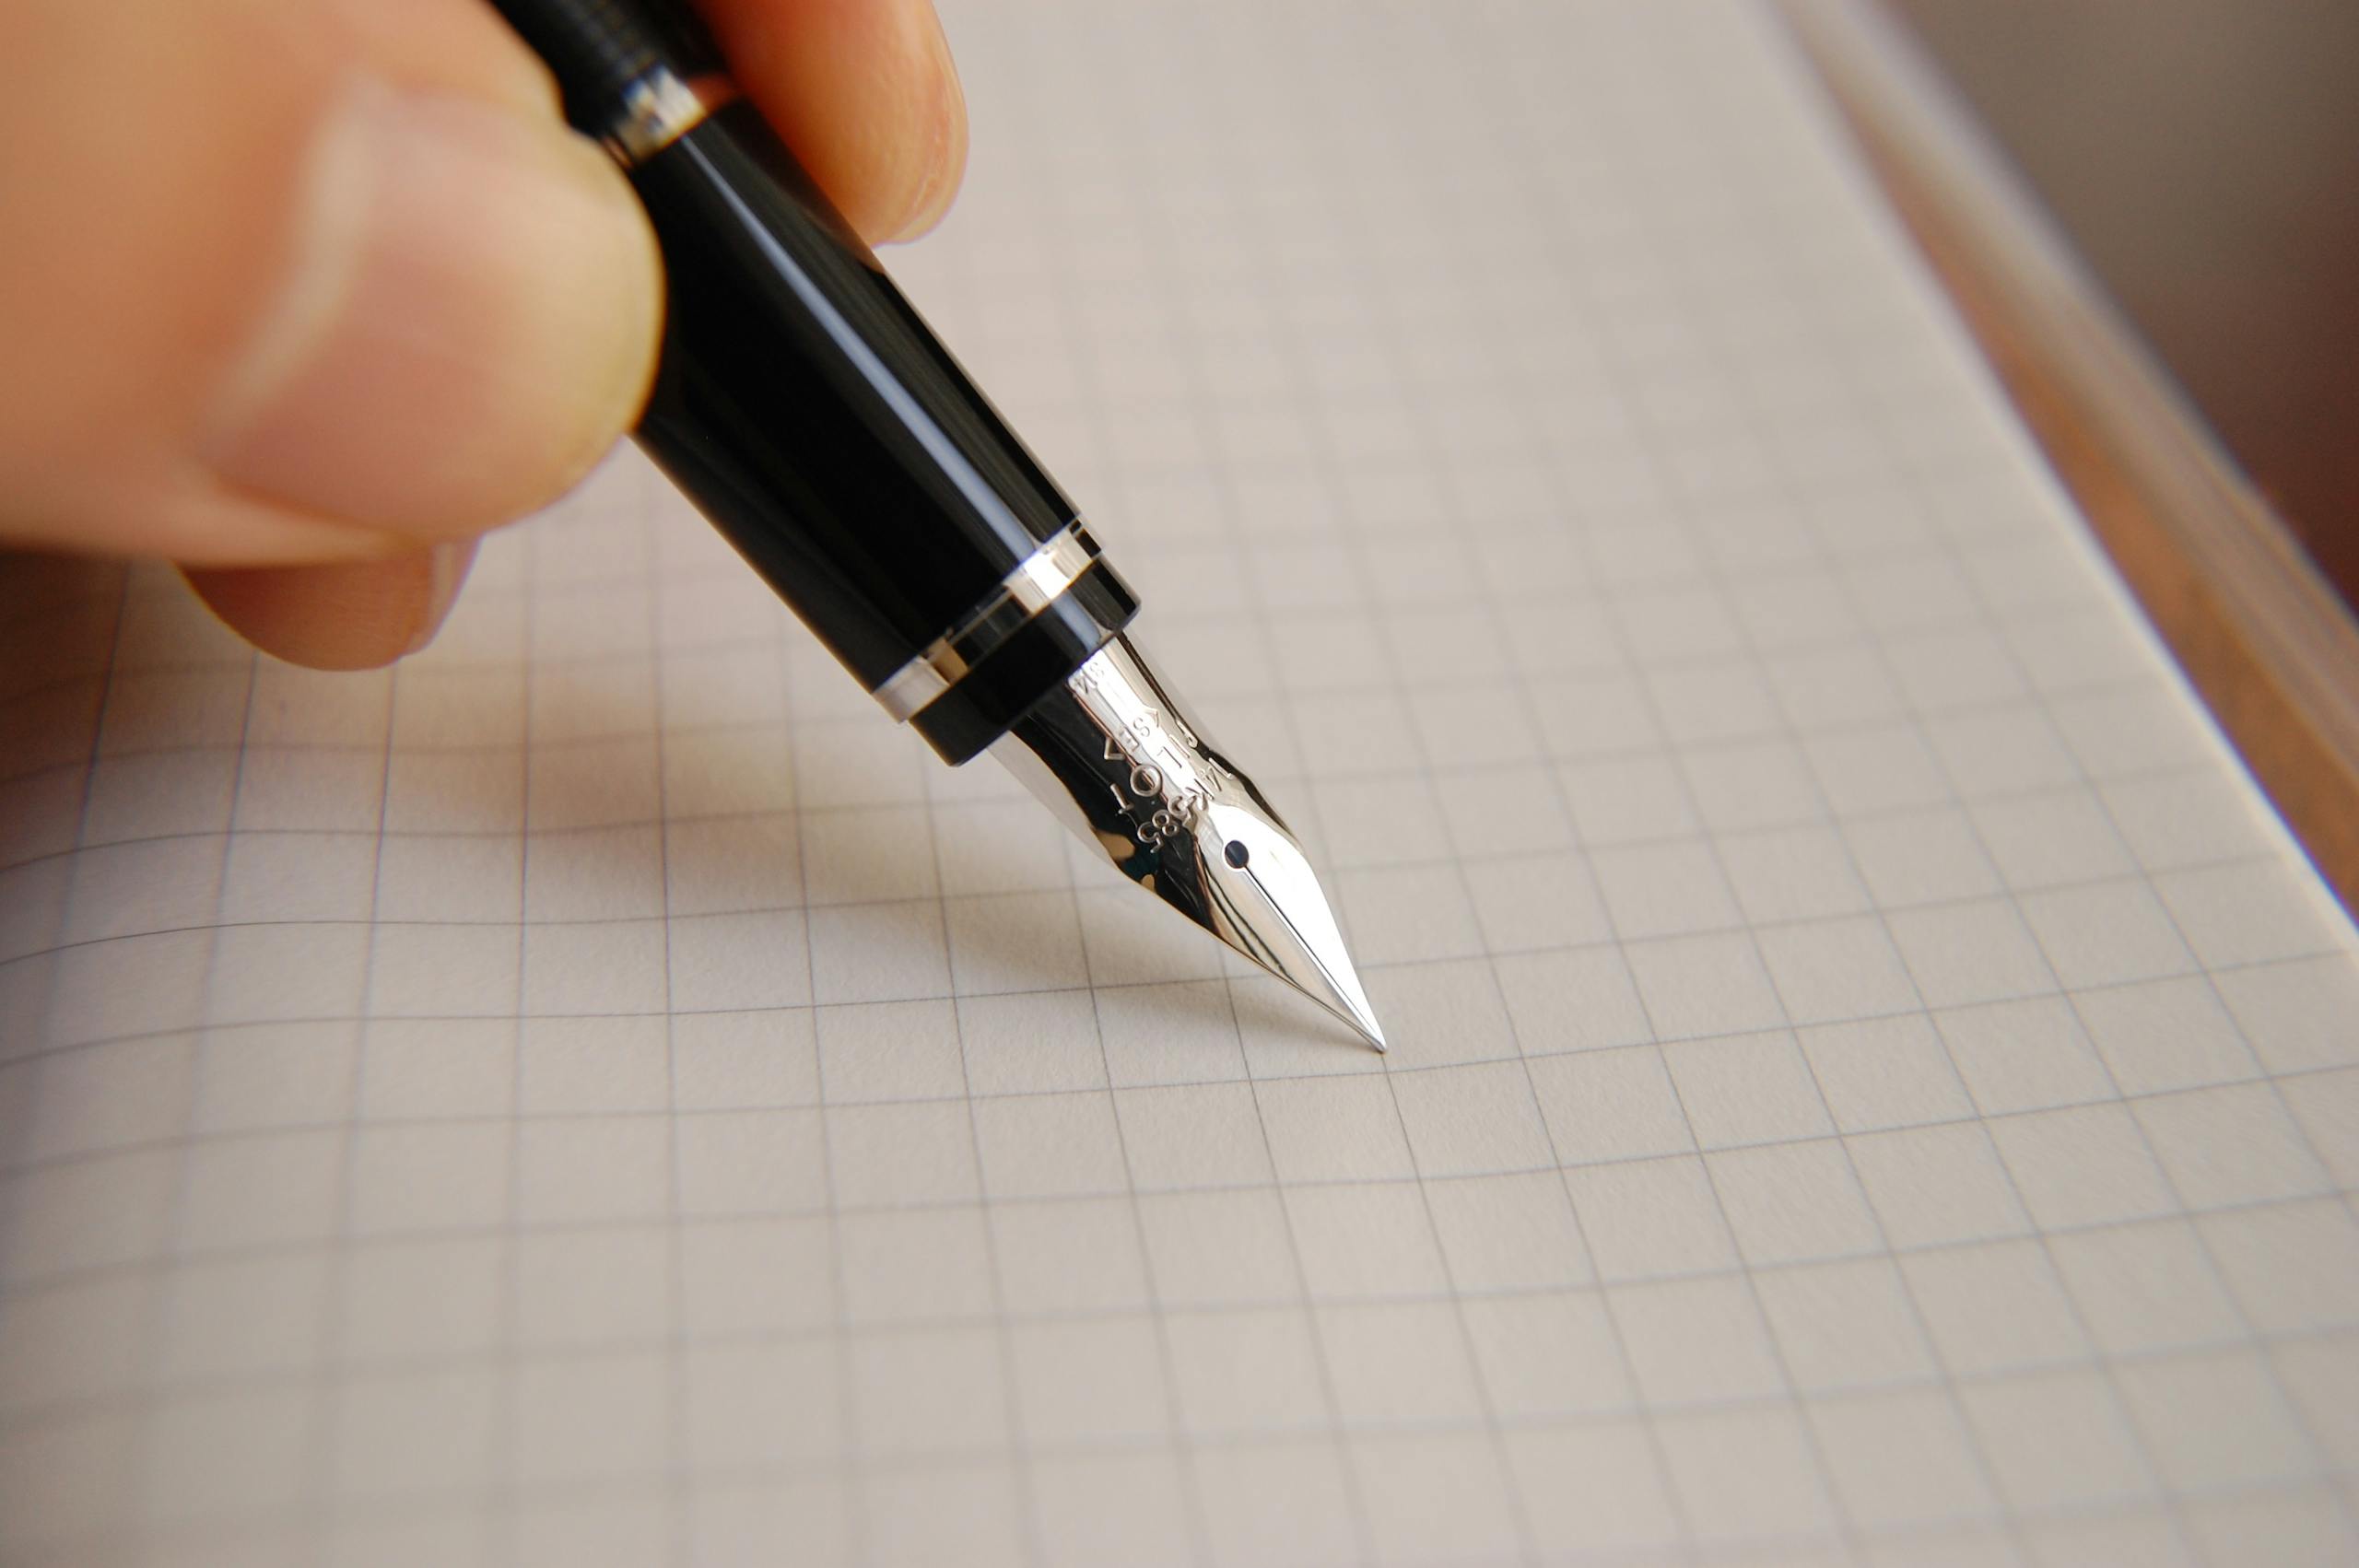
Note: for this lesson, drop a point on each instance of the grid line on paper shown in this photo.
(1982, 1459)
(2298, 961)
(837, 1317)
(1979, 598)
(1523, 1524)
(1710, 837)
(1759, 1313)
(318, 1481)
(1329, 1418)
(1011, 1389)
(501, 1527)
(2291, 1408)
(2204, 976)
(1055, 221)
(1894, 815)
(679, 1390)
(1933, 1537)
(2099, 1353)
(2116, 778)
(89, 765)
(298, 1129)
(257, 1252)
(144, 1461)
(1491, 1424)
(302, 1380)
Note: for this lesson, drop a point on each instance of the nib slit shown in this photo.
(1343, 998)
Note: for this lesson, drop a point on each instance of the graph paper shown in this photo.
(1872, 1082)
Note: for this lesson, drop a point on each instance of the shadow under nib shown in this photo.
(1113, 757)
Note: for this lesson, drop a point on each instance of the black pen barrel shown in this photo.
(808, 410)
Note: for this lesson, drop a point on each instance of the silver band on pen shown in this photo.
(659, 108)
(1036, 583)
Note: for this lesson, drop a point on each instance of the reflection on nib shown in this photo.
(1272, 909)
(1120, 764)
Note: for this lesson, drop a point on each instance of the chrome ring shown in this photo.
(659, 108)
(1036, 581)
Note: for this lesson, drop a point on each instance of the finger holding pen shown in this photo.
(307, 293)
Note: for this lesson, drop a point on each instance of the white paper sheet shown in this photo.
(1872, 1082)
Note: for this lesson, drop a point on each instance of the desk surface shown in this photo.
(2184, 495)
(2190, 150)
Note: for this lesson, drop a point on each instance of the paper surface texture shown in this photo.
(1871, 1081)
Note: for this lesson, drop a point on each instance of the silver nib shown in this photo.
(1113, 757)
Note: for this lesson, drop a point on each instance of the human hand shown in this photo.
(307, 293)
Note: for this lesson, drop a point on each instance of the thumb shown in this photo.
(293, 281)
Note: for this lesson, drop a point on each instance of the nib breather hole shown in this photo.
(1236, 854)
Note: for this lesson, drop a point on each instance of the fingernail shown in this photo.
(466, 319)
(340, 614)
(447, 562)
(945, 153)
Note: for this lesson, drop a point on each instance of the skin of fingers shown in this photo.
(341, 615)
(344, 614)
(866, 91)
(155, 206)
(866, 95)
(157, 236)
(136, 255)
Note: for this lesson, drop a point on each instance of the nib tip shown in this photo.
(1363, 1023)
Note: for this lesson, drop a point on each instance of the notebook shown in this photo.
(1872, 1082)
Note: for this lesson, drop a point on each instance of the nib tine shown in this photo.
(1293, 936)
(1347, 1002)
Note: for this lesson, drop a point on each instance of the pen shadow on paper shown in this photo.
(959, 883)
(871, 840)
(914, 884)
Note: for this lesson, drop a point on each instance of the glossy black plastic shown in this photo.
(1055, 643)
(810, 413)
(808, 410)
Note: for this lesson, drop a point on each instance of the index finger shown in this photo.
(864, 92)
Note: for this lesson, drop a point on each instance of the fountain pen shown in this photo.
(803, 407)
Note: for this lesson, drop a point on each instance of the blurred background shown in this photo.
(2202, 156)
